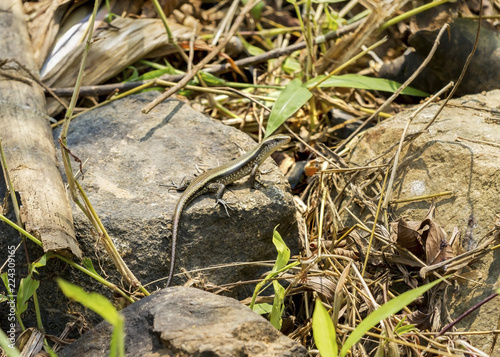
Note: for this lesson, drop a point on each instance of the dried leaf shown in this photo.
(437, 248)
(420, 319)
(408, 237)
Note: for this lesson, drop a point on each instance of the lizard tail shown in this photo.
(175, 228)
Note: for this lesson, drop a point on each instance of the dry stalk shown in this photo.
(204, 61)
(399, 90)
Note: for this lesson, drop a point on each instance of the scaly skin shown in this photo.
(216, 180)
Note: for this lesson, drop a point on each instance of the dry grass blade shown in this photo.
(203, 62)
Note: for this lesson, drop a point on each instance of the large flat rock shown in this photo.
(129, 155)
(446, 158)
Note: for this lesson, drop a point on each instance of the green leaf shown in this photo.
(278, 305)
(291, 65)
(257, 9)
(150, 75)
(327, 1)
(383, 312)
(404, 329)
(283, 251)
(117, 344)
(7, 345)
(41, 262)
(212, 80)
(263, 308)
(27, 288)
(5, 280)
(252, 50)
(364, 82)
(291, 99)
(87, 263)
(323, 331)
(133, 76)
(94, 301)
(102, 306)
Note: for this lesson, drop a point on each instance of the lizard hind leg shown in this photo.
(220, 188)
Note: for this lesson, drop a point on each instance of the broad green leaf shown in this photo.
(94, 301)
(7, 345)
(283, 251)
(263, 308)
(27, 288)
(383, 312)
(100, 305)
(278, 305)
(291, 99)
(323, 331)
(364, 82)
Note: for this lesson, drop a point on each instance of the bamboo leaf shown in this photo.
(364, 82)
(383, 312)
(291, 99)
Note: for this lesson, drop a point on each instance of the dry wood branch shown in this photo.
(28, 145)
(106, 89)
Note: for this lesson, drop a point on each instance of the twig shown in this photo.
(105, 89)
(204, 61)
(466, 313)
(403, 136)
(400, 89)
(461, 138)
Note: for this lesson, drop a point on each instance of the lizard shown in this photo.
(216, 179)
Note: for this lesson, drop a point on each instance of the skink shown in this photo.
(215, 180)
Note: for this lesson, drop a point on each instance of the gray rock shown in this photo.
(437, 162)
(130, 154)
(189, 322)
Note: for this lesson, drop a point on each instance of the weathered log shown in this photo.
(27, 140)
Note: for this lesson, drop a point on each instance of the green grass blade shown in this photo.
(364, 82)
(291, 99)
(383, 312)
(324, 331)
